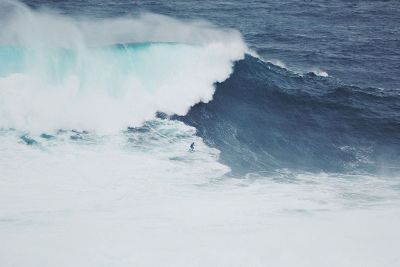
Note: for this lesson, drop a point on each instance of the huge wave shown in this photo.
(94, 170)
(60, 72)
(265, 118)
(104, 75)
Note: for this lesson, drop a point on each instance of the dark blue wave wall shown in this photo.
(265, 117)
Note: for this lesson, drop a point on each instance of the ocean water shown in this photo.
(293, 106)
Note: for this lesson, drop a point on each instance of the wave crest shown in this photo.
(106, 74)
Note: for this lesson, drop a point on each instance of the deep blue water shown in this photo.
(265, 117)
(311, 123)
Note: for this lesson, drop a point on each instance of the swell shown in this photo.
(266, 118)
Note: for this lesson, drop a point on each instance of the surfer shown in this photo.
(191, 147)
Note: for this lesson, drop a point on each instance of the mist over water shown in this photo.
(98, 108)
(106, 74)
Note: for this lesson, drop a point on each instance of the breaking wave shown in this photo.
(106, 74)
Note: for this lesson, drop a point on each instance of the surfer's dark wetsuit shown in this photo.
(192, 147)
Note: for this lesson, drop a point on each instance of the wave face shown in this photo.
(265, 118)
(57, 72)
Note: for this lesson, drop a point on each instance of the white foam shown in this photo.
(100, 89)
(142, 199)
(319, 72)
(278, 63)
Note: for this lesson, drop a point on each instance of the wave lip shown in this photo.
(104, 75)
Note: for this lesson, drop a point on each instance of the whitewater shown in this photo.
(96, 119)
(58, 72)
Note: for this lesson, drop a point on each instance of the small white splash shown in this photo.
(300, 72)
(278, 63)
(319, 72)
